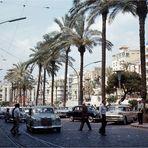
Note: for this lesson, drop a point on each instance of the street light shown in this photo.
(91, 63)
(119, 72)
(78, 75)
(13, 20)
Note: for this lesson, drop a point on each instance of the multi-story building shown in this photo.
(128, 57)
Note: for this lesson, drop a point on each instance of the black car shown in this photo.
(76, 113)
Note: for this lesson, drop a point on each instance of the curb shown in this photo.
(145, 125)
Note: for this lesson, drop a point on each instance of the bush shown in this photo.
(133, 103)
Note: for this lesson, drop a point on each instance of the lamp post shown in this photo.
(78, 76)
(13, 20)
(119, 72)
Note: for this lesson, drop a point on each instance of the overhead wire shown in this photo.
(17, 27)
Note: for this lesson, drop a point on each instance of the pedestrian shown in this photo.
(84, 118)
(16, 117)
(102, 111)
(7, 115)
(140, 111)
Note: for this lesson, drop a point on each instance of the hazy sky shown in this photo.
(18, 37)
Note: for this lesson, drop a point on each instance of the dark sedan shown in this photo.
(76, 113)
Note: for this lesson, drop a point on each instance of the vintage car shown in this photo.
(62, 111)
(43, 117)
(121, 113)
(76, 113)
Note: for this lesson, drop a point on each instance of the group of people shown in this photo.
(102, 112)
(84, 119)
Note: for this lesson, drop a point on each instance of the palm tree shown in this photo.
(36, 59)
(53, 57)
(95, 8)
(83, 38)
(66, 22)
(137, 8)
(21, 76)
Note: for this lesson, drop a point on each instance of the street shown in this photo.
(117, 136)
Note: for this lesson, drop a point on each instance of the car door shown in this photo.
(76, 112)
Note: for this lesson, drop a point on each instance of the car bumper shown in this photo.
(114, 118)
(47, 127)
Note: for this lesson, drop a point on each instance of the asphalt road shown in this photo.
(117, 136)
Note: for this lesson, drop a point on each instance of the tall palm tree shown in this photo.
(53, 57)
(95, 8)
(36, 59)
(137, 8)
(21, 76)
(83, 38)
(66, 22)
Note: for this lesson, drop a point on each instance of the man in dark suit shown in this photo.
(84, 118)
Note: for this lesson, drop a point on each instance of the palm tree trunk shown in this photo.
(65, 82)
(38, 86)
(44, 86)
(142, 12)
(81, 50)
(142, 57)
(52, 85)
(104, 17)
(23, 96)
(11, 100)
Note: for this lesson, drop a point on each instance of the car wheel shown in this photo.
(71, 118)
(125, 121)
(58, 129)
(90, 119)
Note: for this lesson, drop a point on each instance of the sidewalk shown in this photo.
(144, 125)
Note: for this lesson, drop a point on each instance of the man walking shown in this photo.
(84, 117)
(102, 111)
(140, 112)
(16, 116)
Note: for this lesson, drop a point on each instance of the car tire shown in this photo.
(58, 129)
(71, 118)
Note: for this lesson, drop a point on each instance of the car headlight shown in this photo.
(57, 121)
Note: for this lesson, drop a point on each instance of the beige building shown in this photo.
(126, 59)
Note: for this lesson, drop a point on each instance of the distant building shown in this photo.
(126, 56)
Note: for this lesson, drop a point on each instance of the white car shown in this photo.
(121, 113)
(43, 117)
(62, 111)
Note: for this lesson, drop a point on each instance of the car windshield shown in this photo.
(44, 110)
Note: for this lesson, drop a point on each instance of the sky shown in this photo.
(17, 38)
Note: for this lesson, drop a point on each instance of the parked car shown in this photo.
(8, 115)
(76, 113)
(121, 113)
(43, 117)
(62, 111)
